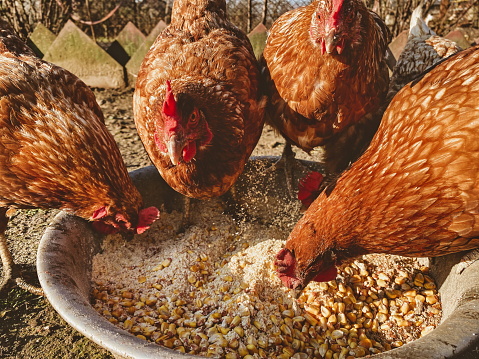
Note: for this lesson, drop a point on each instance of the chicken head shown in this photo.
(296, 275)
(311, 252)
(182, 128)
(335, 26)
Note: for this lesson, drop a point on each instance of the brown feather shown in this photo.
(423, 49)
(55, 151)
(210, 60)
(415, 191)
(315, 98)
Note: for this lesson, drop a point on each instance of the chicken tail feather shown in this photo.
(418, 26)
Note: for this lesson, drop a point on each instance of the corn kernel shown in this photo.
(239, 331)
(157, 286)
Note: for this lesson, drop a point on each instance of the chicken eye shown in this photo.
(194, 118)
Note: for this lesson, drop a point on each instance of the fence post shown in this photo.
(265, 12)
(250, 16)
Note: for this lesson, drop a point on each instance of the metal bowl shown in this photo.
(68, 246)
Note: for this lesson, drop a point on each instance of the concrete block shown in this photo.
(79, 54)
(258, 36)
(40, 39)
(130, 38)
(133, 65)
(459, 38)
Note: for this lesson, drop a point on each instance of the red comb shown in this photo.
(99, 213)
(337, 5)
(329, 274)
(169, 106)
(285, 262)
(146, 217)
(308, 188)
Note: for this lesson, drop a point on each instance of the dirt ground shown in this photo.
(29, 327)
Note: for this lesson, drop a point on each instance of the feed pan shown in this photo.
(68, 245)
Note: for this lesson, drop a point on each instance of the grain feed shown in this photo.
(213, 291)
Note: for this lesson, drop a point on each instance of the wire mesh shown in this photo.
(246, 14)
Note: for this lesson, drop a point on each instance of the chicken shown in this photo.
(415, 190)
(326, 72)
(423, 49)
(198, 107)
(55, 151)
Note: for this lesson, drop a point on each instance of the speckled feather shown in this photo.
(415, 191)
(10, 42)
(423, 49)
(55, 151)
(207, 57)
(315, 98)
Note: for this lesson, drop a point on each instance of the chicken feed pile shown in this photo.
(213, 291)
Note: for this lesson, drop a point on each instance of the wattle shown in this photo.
(189, 151)
(327, 275)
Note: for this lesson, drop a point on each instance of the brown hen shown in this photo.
(423, 49)
(414, 192)
(197, 104)
(325, 65)
(55, 151)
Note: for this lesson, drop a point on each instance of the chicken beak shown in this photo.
(330, 41)
(175, 147)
